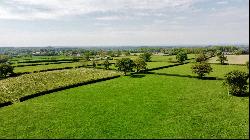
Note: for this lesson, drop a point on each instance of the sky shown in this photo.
(123, 22)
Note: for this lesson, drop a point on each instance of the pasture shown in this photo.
(165, 103)
(142, 106)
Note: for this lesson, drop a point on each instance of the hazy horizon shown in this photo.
(42, 23)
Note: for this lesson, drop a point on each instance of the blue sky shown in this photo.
(123, 22)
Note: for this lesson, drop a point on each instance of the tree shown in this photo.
(221, 57)
(237, 82)
(181, 57)
(125, 65)
(106, 64)
(201, 69)
(4, 58)
(94, 64)
(5, 69)
(146, 56)
(87, 56)
(126, 53)
(201, 58)
(140, 64)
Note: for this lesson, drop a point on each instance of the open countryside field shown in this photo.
(165, 103)
(232, 59)
(45, 67)
(185, 70)
(130, 107)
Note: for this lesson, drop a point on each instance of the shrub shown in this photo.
(4, 58)
(106, 64)
(181, 57)
(237, 82)
(201, 58)
(5, 69)
(140, 64)
(201, 69)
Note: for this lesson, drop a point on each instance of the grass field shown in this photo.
(218, 70)
(144, 106)
(45, 67)
(168, 103)
(233, 59)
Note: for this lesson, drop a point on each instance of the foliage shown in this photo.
(125, 65)
(146, 56)
(247, 64)
(221, 57)
(13, 88)
(94, 64)
(237, 82)
(140, 64)
(4, 58)
(106, 64)
(201, 58)
(181, 57)
(5, 69)
(87, 56)
(201, 69)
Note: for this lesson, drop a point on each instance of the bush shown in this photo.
(181, 57)
(140, 64)
(106, 64)
(201, 58)
(5, 69)
(237, 82)
(201, 69)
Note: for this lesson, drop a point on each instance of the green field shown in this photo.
(218, 70)
(166, 103)
(45, 67)
(144, 106)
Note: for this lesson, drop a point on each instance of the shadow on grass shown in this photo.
(188, 76)
(137, 76)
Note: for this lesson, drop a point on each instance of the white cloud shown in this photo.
(53, 9)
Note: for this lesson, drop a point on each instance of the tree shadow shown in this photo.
(137, 76)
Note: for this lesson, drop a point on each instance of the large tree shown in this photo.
(201, 69)
(181, 56)
(125, 65)
(140, 64)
